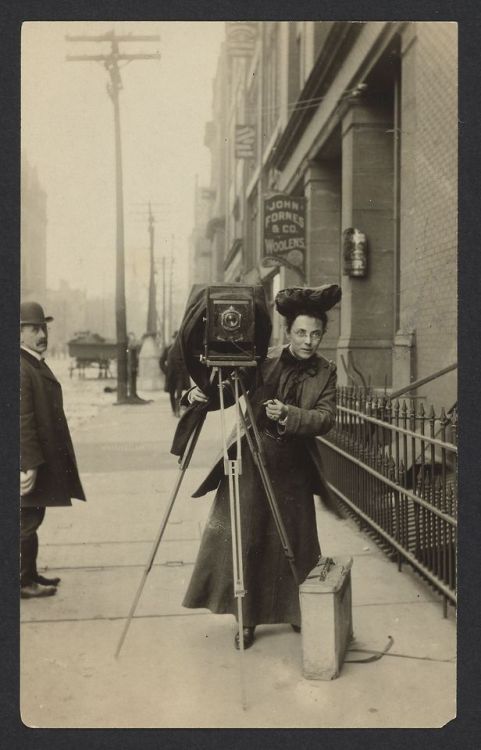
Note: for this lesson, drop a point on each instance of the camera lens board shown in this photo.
(230, 326)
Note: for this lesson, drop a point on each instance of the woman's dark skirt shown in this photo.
(272, 596)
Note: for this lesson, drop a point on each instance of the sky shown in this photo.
(68, 136)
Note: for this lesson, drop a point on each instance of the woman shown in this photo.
(294, 402)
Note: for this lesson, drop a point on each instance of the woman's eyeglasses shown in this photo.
(314, 336)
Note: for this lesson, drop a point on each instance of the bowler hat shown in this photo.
(32, 313)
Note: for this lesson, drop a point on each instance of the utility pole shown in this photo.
(171, 278)
(111, 63)
(164, 329)
(154, 323)
(152, 304)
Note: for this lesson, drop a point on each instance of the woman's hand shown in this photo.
(275, 409)
(197, 395)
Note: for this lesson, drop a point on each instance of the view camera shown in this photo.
(229, 338)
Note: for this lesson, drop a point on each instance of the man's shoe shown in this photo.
(248, 634)
(33, 590)
(46, 581)
(296, 628)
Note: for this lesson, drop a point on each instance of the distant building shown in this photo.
(33, 234)
(215, 139)
(100, 316)
(69, 309)
(202, 258)
(359, 120)
(73, 311)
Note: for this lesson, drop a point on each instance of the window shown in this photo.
(271, 81)
(252, 110)
(300, 53)
(251, 253)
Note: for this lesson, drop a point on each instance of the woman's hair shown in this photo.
(311, 301)
(290, 317)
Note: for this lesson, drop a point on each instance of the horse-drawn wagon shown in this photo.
(90, 349)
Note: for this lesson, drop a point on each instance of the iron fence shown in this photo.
(393, 465)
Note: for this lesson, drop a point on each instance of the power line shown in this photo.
(302, 104)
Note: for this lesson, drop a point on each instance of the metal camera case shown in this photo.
(229, 338)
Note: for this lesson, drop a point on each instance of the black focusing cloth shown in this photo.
(190, 340)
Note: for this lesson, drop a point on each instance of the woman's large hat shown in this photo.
(312, 300)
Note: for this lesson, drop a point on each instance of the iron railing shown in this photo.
(393, 466)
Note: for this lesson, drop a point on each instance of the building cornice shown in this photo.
(217, 223)
(370, 45)
(336, 47)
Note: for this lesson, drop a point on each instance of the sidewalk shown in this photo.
(179, 668)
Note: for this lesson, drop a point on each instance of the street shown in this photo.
(178, 667)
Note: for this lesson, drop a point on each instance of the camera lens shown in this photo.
(231, 319)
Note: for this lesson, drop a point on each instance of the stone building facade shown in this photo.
(33, 234)
(360, 119)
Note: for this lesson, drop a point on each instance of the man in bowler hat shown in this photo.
(48, 469)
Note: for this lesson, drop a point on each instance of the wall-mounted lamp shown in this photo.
(354, 249)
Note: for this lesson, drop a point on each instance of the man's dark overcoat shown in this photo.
(45, 442)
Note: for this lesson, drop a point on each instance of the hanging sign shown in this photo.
(241, 38)
(354, 246)
(285, 230)
(245, 142)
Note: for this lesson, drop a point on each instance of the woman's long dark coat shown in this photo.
(45, 442)
(271, 592)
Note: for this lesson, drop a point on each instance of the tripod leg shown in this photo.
(182, 469)
(238, 574)
(233, 468)
(255, 447)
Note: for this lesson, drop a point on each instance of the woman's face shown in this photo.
(305, 336)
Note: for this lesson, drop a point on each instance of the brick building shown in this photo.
(202, 256)
(33, 234)
(360, 120)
